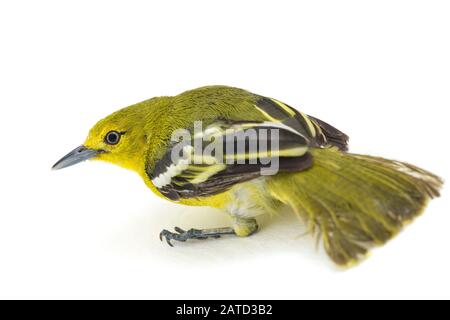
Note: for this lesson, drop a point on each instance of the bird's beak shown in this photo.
(75, 156)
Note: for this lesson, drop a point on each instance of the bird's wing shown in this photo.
(227, 153)
(318, 132)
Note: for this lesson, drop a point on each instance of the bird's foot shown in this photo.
(182, 235)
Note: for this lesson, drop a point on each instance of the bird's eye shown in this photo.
(112, 137)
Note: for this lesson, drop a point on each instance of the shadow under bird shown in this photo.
(351, 201)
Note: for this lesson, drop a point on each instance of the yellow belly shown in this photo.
(247, 199)
(218, 201)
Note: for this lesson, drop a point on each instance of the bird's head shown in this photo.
(119, 138)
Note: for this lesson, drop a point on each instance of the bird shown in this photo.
(250, 155)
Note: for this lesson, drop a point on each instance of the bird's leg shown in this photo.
(200, 234)
(242, 227)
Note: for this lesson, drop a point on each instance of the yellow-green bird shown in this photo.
(257, 154)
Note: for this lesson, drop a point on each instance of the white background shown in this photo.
(378, 70)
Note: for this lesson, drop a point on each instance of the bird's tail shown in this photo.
(355, 201)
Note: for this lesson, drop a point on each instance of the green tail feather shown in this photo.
(355, 201)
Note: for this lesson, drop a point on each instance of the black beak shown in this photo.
(75, 156)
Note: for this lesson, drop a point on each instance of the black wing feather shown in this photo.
(319, 132)
(199, 180)
(334, 136)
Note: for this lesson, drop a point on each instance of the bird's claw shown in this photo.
(182, 235)
(179, 230)
(167, 235)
